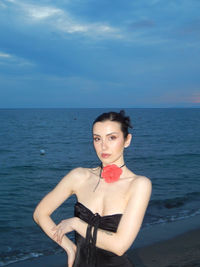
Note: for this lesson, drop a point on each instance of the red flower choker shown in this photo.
(110, 173)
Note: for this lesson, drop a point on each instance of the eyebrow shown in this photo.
(107, 134)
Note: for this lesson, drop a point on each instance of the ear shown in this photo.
(128, 140)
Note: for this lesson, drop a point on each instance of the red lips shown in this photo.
(105, 155)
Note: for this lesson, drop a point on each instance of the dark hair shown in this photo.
(120, 117)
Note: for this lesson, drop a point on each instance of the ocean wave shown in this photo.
(172, 218)
(9, 259)
(11, 255)
(176, 202)
(172, 209)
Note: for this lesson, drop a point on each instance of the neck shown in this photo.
(118, 165)
(118, 162)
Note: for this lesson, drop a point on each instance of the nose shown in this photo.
(103, 145)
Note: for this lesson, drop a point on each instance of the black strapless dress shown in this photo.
(88, 255)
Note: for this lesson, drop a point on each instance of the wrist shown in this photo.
(68, 245)
(75, 223)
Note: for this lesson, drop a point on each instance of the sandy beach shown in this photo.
(181, 251)
(175, 244)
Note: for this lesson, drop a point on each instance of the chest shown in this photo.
(107, 199)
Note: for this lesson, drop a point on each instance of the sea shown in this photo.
(39, 146)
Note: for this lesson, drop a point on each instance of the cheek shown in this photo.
(119, 144)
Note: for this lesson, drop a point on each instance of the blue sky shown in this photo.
(108, 53)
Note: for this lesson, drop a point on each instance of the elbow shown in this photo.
(36, 216)
(120, 253)
(119, 249)
(121, 246)
(39, 215)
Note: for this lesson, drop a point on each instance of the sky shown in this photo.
(107, 53)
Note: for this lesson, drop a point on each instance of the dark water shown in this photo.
(165, 148)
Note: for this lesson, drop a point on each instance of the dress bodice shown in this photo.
(87, 254)
(108, 222)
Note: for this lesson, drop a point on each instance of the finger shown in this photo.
(55, 227)
(54, 235)
(59, 235)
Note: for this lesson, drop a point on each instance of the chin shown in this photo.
(107, 162)
(104, 161)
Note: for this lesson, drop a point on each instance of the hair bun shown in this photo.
(122, 112)
(127, 120)
(118, 117)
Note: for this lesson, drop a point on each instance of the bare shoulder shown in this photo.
(142, 180)
(76, 177)
(80, 171)
(77, 174)
(141, 183)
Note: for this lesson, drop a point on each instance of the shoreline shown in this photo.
(161, 232)
(173, 244)
(180, 251)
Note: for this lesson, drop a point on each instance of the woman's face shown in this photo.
(109, 142)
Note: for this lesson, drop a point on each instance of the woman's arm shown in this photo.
(46, 223)
(52, 201)
(130, 222)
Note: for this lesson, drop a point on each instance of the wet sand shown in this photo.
(181, 251)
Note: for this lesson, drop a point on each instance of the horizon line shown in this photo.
(178, 107)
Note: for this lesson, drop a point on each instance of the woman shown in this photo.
(111, 201)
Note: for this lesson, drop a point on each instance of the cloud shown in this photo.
(38, 13)
(12, 61)
(62, 20)
(4, 55)
(2, 5)
(68, 24)
(140, 50)
(11, 1)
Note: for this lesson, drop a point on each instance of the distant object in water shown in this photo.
(42, 152)
(75, 119)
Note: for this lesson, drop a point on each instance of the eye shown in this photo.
(96, 139)
(113, 137)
